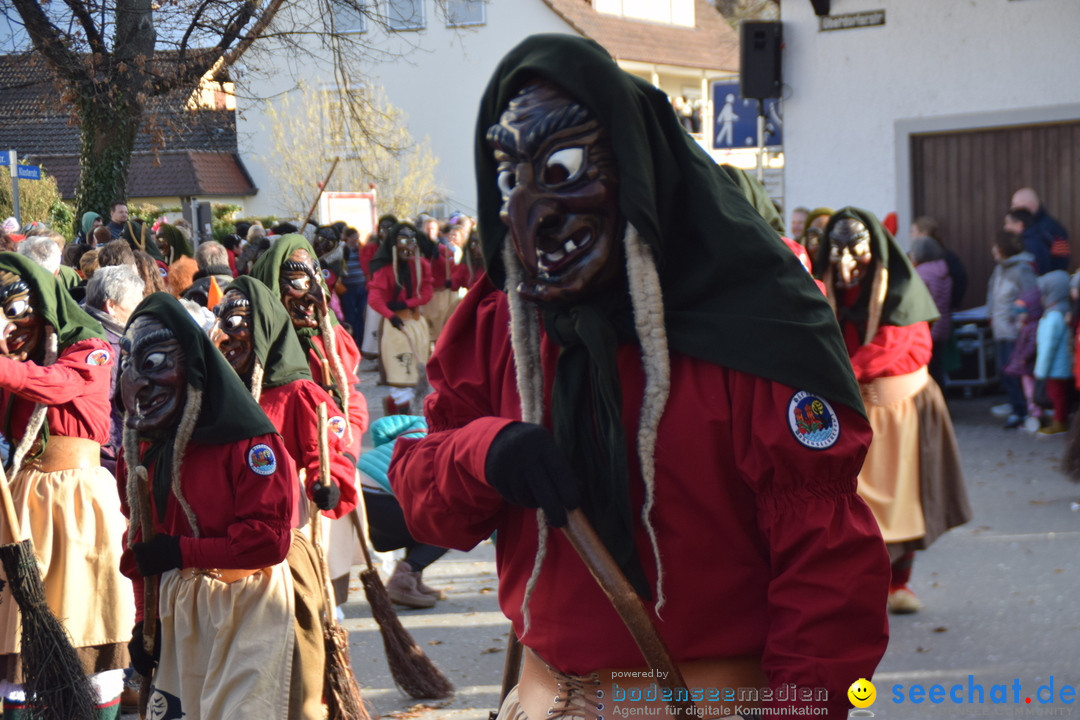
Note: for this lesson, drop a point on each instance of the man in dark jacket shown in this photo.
(1046, 225)
(213, 260)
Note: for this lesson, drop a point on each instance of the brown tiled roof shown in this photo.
(712, 45)
(188, 173)
(35, 122)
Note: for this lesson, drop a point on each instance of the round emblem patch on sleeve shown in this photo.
(261, 460)
(813, 421)
(337, 425)
(98, 357)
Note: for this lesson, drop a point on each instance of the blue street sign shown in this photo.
(29, 172)
(5, 158)
(735, 123)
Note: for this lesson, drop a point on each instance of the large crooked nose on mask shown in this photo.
(532, 215)
(849, 267)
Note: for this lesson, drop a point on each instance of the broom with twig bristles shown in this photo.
(56, 686)
(343, 698)
(413, 671)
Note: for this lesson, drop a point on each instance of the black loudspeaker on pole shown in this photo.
(759, 75)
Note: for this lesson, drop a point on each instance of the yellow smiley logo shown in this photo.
(862, 693)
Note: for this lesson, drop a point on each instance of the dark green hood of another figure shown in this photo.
(276, 345)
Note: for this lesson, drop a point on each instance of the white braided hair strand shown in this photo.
(525, 343)
(648, 306)
(37, 415)
(183, 436)
(337, 369)
(256, 379)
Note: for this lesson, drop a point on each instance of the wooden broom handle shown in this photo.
(315, 523)
(322, 188)
(324, 446)
(629, 606)
(150, 584)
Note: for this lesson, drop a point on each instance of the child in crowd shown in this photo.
(1053, 356)
(1028, 310)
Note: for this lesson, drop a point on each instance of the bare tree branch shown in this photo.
(49, 41)
(86, 22)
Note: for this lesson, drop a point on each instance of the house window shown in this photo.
(349, 19)
(464, 12)
(405, 14)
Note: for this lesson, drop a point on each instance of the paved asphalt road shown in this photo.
(999, 598)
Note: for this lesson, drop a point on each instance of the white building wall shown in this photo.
(435, 75)
(852, 97)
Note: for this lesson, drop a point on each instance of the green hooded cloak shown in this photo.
(52, 300)
(275, 343)
(907, 300)
(756, 194)
(140, 237)
(228, 411)
(178, 244)
(734, 295)
(268, 270)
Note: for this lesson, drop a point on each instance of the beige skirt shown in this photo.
(369, 347)
(74, 520)
(911, 478)
(226, 648)
(438, 310)
(403, 353)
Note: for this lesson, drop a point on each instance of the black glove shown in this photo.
(527, 469)
(448, 285)
(397, 322)
(143, 662)
(326, 497)
(160, 554)
(397, 305)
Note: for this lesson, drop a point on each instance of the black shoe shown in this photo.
(1013, 422)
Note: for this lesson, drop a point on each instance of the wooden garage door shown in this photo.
(965, 180)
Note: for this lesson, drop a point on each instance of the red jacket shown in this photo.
(75, 387)
(293, 408)
(242, 495)
(894, 350)
(367, 251)
(462, 278)
(442, 266)
(767, 549)
(383, 289)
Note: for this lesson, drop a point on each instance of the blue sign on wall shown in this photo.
(29, 172)
(735, 123)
